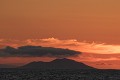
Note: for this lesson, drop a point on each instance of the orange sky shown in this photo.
(91, 20)
(94, 21)
(99, 55)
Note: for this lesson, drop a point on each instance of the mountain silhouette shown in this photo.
(57, 64)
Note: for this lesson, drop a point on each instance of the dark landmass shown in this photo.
(7, 66)
(58, 69)
(57, 64)
(59, 74)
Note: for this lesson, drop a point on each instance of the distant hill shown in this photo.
(57, 64)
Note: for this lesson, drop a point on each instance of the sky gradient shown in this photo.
(89, 26)
(91, 20)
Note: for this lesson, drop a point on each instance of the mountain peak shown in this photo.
(57, 64)
(63, 60)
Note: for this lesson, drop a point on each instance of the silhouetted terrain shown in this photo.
(59, 74)
(57, 64)
(7, 66)
(58, 69)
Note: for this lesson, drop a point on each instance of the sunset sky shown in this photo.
(89, 26)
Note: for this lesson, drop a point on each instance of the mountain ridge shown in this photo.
(57, 64)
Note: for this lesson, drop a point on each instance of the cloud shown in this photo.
(37, 51)
(73, 44)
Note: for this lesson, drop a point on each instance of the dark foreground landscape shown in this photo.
(57, 74)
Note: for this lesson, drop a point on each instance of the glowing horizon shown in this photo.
(84, 46)
(89, 26)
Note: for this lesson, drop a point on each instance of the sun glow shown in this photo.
(97, 48)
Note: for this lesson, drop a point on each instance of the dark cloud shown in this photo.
(37, 51)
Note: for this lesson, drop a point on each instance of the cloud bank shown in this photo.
(37, 51)
(91, 52)
(73, 44)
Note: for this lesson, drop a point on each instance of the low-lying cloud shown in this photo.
(37, 51)
(72, 44)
